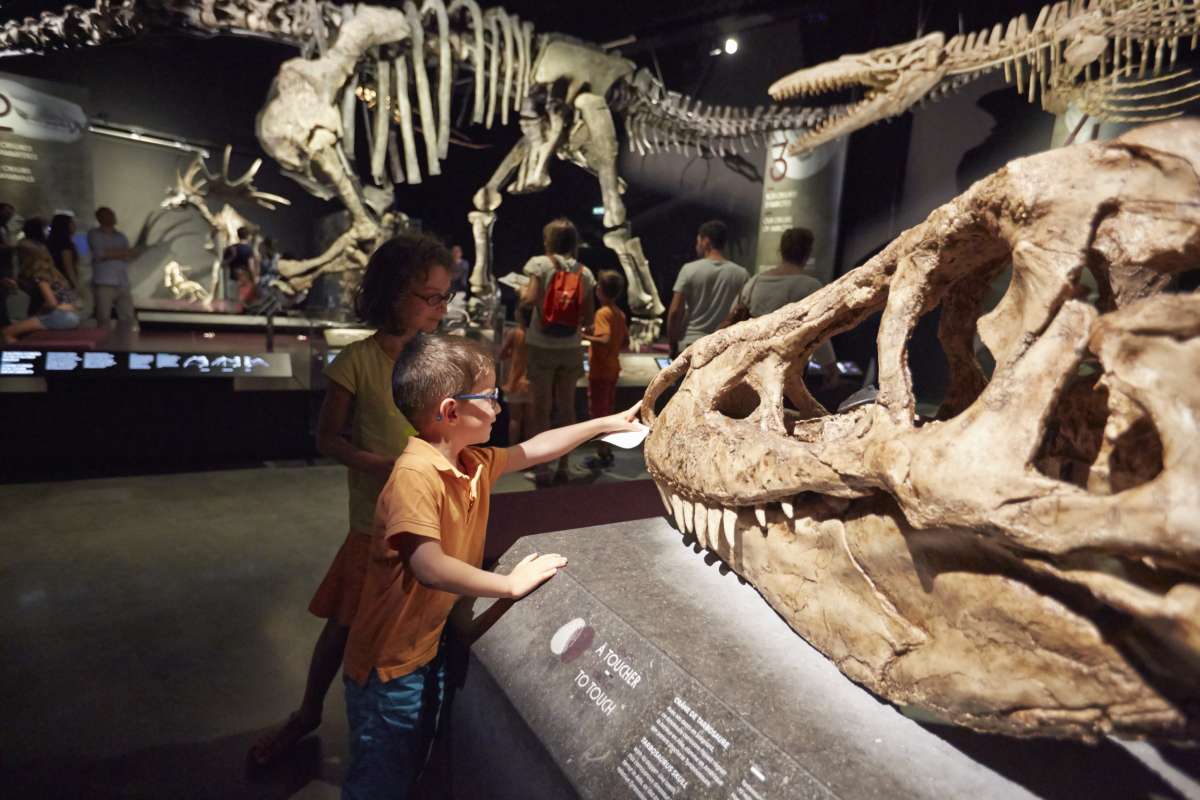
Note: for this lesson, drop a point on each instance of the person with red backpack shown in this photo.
(561, 291)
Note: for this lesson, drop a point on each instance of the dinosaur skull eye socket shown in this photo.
(738, 401)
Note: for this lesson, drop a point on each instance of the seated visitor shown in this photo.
(426, 550)
(53, 303)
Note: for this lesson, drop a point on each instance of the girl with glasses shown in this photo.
(404, 292)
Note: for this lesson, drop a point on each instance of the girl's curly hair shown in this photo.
(392, 270)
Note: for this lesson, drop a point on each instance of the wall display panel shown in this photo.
(804, 191)
(45, 162)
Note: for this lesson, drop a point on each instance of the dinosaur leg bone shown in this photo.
(643, 297)
(486, 201)
(600, 150)
(482, 280)
(351, 248)
(553, 131)
(595, 138)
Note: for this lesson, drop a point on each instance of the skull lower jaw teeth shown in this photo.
(939, 620)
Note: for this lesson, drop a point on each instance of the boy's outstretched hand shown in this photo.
(626, 420)
(532, 571)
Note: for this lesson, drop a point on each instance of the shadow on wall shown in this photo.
(1015, 132)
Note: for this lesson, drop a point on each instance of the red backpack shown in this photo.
(563, 305)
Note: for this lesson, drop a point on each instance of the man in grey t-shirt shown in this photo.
(705, 289)
(111, 255)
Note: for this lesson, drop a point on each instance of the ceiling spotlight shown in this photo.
(731, 46)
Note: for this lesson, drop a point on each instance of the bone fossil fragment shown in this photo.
(1028, 561)
(1111, 59)
(194, 188)
(563, 92)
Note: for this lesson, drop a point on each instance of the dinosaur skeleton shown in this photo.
(1028, 562)
(365, 59)
(1112, 59)
(197, 184)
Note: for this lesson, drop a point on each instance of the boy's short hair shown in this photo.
(717, 233)
(561, 237)
(796, 245)
(392, 270)
(610, 283)
(434, 367)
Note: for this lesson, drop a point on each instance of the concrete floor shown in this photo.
(154, 627)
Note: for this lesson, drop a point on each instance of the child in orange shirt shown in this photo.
(515, 356)
(430, 523)
(404, 291)
(609, 336)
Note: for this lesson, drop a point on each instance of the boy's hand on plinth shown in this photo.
(532, 572)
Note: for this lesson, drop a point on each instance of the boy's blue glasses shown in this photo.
(493, 395)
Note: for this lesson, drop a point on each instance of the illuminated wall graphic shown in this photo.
(45, 160)
(803, 191)
(42, 363)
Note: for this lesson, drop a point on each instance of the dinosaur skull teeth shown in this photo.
(816, 86)
(833, 116)
(714, 527)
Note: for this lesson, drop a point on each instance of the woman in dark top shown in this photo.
(53, 303)
(62, 247)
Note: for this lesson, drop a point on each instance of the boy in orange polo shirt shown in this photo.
(430, 523)
(608, 337)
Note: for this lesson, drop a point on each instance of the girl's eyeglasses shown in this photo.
(436, 299)
(494, 395)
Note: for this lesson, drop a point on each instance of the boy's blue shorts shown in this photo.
(392, 726)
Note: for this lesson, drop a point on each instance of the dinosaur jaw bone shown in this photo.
(891, 79)
(845, 119)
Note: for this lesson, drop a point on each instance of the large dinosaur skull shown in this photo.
(892, 79)
(1029, 561)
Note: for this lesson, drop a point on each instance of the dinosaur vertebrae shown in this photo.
(1079, 39)
(298, 23)
(74, 27)
(1110, 58)
(657, 119)
(1029, 561)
